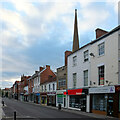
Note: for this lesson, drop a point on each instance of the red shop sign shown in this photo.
(75, 92)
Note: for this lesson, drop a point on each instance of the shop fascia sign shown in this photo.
(60, 92)
(106, 89)
(76, 92)
(61, 95)
(51, 93)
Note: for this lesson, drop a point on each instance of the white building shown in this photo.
(79, 79)
(48, 92)
(94, 75)
(105, 71)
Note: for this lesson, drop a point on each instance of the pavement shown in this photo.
(1, 110)
(28, 110)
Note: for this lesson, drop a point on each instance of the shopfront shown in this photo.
(31, 97)
(102, 100)
(77, 99)
(117, 96)
(51, 98)
(61, 98)
(26, 97)
(37, 98)
(43, 97)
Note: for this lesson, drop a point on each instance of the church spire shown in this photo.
(75, 37)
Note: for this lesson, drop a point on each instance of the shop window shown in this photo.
(101, 48)
(101, 75)
(86, 78)
(99, 102)
(86, 56)
(77, 101)
(60, 98)
(74, 60)
(74, 80)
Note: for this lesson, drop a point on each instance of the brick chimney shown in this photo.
(41, 68)
(100, 32)
(66, 54)
(48, 66)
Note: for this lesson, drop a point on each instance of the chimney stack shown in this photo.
(48, 66)
(100, 32)
(66, 55)
(41, 68)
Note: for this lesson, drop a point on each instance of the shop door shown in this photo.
(110, 107)
(37, 99)
(83, 104)
(64, 102)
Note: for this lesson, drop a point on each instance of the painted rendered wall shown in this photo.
(109, 59)
(79, 68)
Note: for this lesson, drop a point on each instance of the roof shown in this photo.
(7, 88)
(103, 36)
(49, 80)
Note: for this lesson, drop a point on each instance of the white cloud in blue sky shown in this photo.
(37, 33)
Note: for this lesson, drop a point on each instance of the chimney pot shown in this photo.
(48, 66)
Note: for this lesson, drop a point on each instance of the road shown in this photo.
(35, 111)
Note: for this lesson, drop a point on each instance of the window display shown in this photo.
(60, 98)
(100, 102)
(78, 102)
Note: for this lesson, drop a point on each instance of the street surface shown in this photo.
(26, 110)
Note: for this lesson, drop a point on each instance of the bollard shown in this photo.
(3, 103)
(14, 115)
(59, 106)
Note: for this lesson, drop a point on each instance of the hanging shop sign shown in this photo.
(106, 89)
(65, 93)
(117, 88)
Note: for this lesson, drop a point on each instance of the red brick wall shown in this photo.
(100, 32)
(45, 74)
(24, 82)
(30, 86)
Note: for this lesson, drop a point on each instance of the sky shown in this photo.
(36, 33)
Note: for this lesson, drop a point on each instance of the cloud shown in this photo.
(45, 29)
(91, 18)
(15, 63)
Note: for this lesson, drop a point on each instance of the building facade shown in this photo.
(46, 76)
(93, 73)
(48, 92)
(104, 64)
